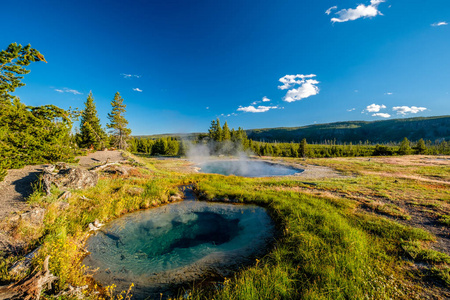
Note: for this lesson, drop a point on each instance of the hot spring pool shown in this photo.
(176, 243)
(247, 168)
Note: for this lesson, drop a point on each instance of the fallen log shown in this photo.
(113, 167)
(30, 287)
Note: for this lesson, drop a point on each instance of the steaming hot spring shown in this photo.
(177, 243)
(247, 168)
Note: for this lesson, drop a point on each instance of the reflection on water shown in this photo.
(176, 243)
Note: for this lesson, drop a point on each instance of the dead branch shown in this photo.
(31, 286)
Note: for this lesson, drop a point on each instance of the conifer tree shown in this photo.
(120, 132)
(215, 131)
(13, 61)
(91, 133)
(405, 148)
(302, 148)
(226, 134)
(420, 147)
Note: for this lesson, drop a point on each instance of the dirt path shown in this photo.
(15, 188)
(17, 185)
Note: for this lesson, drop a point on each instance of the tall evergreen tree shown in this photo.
(215, 131)
(91, 133)
(420, 147)
(405, 147)
(120, 132)
(302, 148)
(226, 134)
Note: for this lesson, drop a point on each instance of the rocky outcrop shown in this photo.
(68, 178)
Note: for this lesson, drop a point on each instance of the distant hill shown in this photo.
(430, 128)
(384, 131)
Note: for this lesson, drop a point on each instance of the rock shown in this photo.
(34, 217)
(95, 225)
(21, 267)
(175, 197)
(61, 165)
(9, 244)
(76, 178)
(73, 178)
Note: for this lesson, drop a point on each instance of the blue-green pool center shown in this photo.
(177, 238)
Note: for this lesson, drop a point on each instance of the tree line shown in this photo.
(226, 141)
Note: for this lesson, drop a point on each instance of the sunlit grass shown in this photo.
(330, 246)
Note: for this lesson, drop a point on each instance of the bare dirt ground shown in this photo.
(17, 185)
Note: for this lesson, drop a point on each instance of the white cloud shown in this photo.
(439, 24)
(361, 11)
(289, 81)
(351, 109)
(67, 90)
(388, 93)
(383, 115)
(404, 110)
(264, 99)
(137, 90)
(207, 107)
(130, 75)
(330, 9)
(306, 89)
(258, 109)
(374, 107)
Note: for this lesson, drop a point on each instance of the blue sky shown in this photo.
(256, 64)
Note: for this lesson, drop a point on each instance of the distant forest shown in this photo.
(223, 141)
(434, 129)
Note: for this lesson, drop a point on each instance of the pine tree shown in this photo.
(13, 61)
(215, 131)
(226, 134)
(420, 147)
(120, 133)
(302, 148)
(405, 148)
(91, 133)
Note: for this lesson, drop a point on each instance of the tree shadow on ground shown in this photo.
(24, 186)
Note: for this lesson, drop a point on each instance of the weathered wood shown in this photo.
(113, 167)
(29, 288)
(70, 178)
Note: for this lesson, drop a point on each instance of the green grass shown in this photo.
(326, 250)
(445, 220)
(327, 247)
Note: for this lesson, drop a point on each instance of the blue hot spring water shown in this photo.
(247, 168)
(176, 243)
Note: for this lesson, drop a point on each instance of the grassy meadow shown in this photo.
(363, 234)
